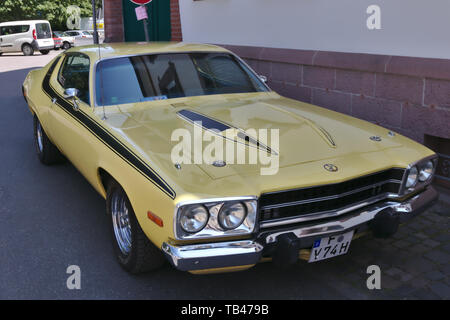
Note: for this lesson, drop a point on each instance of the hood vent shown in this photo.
(207, 123)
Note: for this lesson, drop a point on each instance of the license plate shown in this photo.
(330, 247)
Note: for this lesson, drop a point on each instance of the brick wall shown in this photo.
(113, 21)
(408, 95)
(175, 21)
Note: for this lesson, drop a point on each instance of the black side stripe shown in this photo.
(106, 137)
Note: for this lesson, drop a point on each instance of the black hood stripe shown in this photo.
(207, 123)
(106, 137)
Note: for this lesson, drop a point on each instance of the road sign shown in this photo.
(141, 2)
(141, 13)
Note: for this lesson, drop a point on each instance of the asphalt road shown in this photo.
(51, 218)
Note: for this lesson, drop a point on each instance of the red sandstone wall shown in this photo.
(408, 95)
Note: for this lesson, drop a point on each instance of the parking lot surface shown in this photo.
(51, 218)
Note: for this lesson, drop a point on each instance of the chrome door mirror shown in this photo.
(263, 78)
(72, 94)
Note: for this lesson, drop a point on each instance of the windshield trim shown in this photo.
(94, 79)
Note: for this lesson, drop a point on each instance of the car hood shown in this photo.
(307, 134)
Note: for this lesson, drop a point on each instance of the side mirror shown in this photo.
(263, 78)
(72, 94)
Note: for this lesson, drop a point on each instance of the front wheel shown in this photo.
(133, 249)
(44, 52)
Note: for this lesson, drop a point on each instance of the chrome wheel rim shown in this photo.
(39, 139)
(121, 223)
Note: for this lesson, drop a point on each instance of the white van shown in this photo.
(26, 36)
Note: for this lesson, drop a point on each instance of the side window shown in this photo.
(7, 30)
(75, 74)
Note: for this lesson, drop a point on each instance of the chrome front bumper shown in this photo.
(249, 252)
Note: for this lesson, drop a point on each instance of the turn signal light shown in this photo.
(155, 218)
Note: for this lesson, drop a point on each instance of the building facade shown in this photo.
(387, 62)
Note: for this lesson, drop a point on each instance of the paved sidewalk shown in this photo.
(415, 262)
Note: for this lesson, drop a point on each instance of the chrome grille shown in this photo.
(318, 202)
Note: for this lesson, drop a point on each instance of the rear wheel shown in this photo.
(66, 45)
(27, 50)
(44, 52)
(133, 249)
(47, 153)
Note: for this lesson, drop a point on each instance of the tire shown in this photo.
(27, 50)
(134, 251)
(47, 153)
(66, 45)
(44, 52)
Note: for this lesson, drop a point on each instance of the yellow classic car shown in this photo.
(122, 114)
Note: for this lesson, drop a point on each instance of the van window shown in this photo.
(6, 30)
(43, 31)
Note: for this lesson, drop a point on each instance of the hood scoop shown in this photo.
(206, 122)
(219, 128)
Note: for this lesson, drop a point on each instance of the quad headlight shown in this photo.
(215, 218)
(231, 215)
(194, 218)
(412, 178)
(426, 171)
(419, 174)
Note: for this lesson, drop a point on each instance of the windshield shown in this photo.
(166, 76)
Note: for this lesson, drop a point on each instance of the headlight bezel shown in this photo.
(213, 229)
(419, 184)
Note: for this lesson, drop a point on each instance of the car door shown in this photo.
(7, 37)
(67, 125)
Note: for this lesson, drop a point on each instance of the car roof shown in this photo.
(110, 50)
(15, 23)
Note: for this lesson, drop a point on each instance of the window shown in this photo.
(75, 74)
(165, 76)
(43, 31)
(7, 30)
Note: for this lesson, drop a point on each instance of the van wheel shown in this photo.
(47, 152)
(134, 251)
(27, 50)
(44, 52)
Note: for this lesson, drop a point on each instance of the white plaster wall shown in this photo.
(408, 27)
